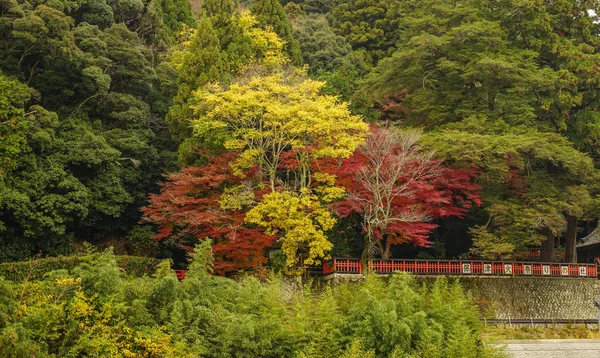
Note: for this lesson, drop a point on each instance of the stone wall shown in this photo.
(548, 298)
(535, 297)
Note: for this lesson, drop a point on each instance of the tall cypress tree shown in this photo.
(216, 52)
(202, 63)
(271, 13)
(370, 26)
(222, 14)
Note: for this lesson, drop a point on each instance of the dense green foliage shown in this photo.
(95, 311)
(322, 49)
(84, 92)
(243, 126)
(502, 92)
(270, 13)
(371, 26)
(101, 100)
(37, 269)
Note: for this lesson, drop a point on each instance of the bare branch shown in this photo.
(393, 166)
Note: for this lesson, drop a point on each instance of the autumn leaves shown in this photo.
(297, 160)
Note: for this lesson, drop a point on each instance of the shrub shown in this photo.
(36, 269)
(95, 310)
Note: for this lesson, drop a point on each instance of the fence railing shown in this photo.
(465, 267)
(180, 274)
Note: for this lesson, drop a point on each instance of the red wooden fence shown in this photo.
(180, 274)
(466, 268)
(427, 267)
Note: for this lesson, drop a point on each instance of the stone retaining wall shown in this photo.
(535, 297)
(550, 298)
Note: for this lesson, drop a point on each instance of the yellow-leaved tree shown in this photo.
(265, 116)
(273, 114)
(301, 219)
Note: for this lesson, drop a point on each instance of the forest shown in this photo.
(249, 140)
(287, 133)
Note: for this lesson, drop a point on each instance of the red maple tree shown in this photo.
(188, 208)
(398, 190)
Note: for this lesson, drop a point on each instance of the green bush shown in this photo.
(140, 241)
(95, 310)
(36, 269)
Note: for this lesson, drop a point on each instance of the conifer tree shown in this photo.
(271, 13)
(224, 18)
(201, 62)
(322, 50)
(370, 26)
(213, 53)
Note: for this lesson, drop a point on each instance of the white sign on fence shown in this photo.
(546, 269)
(466, 268)
(564, 270)
(582, 271)
(487, 268)
(527, 269)
(508, 269)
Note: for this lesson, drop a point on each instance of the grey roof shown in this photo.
(592, 239)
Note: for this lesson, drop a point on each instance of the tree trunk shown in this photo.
(571, 250)
(387, 252)
(364, 258)
(547, 250)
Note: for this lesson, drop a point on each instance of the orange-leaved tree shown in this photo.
(210, 203)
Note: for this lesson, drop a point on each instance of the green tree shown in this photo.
(270, 13)
(330, 59)
(13, 123)
(322, 49)
(175, 15)
(565, 36)
(200, 62)
(370, 26)
(530, 181)
(464, 66)
(87, 139)
(214, 52)
(462, 76)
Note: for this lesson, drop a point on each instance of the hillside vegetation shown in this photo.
(262, 137)
(358, 128)
(95, 311)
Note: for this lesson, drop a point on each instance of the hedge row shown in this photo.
(36, 269)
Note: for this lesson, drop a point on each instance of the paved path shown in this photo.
(553, 348)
